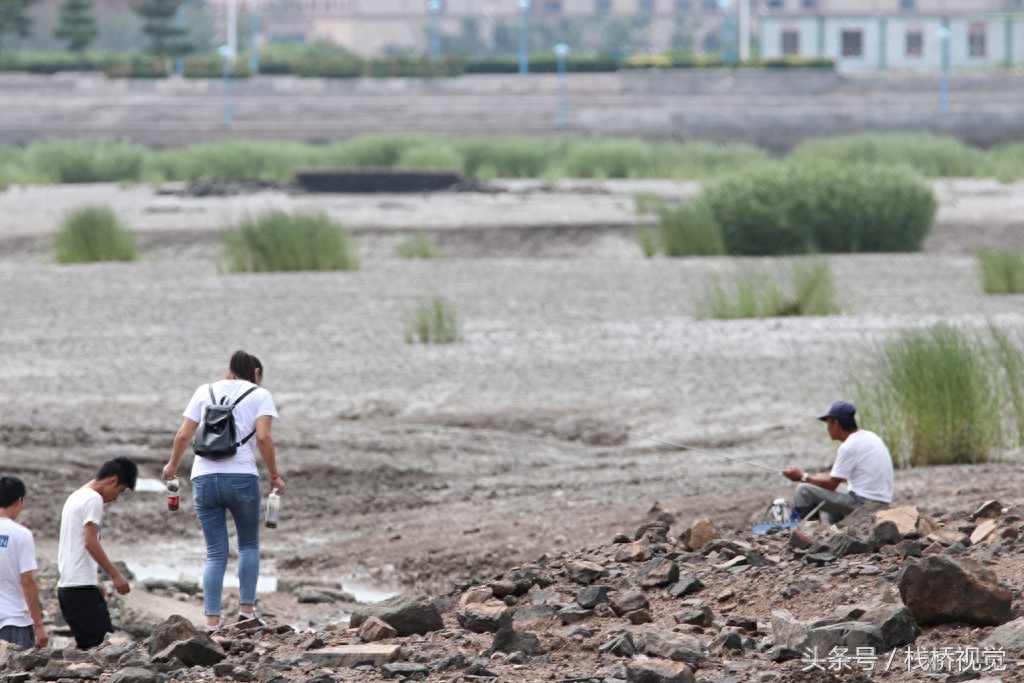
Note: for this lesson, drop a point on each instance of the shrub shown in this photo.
(806, 290)
(934, 156)
(608, 158)
(1005, 162)
(91, 234)
(232, 159)
(432, 321)
(942, 396)
(1002, 272)
(431, 156)
(417, 246)
(278, 241)
(690, 229)
(377, 150)
(212, 66)
(323, 60)
(515, 157)
(821, 207)
(84, 161)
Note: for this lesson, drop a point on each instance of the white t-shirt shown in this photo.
(256, 404)
(17, 556)
(75, 564)
(864, 462)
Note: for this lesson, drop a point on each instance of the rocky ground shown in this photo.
(414, 468)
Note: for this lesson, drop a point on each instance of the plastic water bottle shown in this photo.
(273, 509)
(173, 496)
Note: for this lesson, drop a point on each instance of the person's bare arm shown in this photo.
(31, 591)
(265, 444)
(825, 481)
(182, 439)
(95, 549)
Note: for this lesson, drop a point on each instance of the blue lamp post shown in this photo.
(179, 62)
(561, 52)
(254, 49)
(524, 64)
(944, 65)
(226, 56)
(435, 7)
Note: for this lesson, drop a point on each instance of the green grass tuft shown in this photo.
(279, 241)
(690, 229)
(943, 396)
(83, 161)
(91, 234)
(432, 321)
(805, 290)
(418, 245)
(1002, 272)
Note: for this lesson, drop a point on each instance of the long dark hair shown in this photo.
(244, 366)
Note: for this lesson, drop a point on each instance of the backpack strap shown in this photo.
(239, 400)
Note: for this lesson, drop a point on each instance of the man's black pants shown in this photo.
(85, 610)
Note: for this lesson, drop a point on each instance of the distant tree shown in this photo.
(77, 26)
(160, 23)
(14, 18)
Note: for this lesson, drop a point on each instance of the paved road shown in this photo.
(774, 109)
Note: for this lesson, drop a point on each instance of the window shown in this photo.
(645, 7)
(776, 4)
(853, 43)
(602, 6)
(976, 39)
(709, 6)
(790, 43)
(809, 4)
(683, 6)
(915, 43)
(908, 5)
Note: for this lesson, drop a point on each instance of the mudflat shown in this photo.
(422, 466)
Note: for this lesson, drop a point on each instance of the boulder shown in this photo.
(701, 532)
(512, 640)
(584, 572)
(678, 647)
(660, 571)
(407, 613)
(646, 670)
(374, 629)
(938, 589)
(485, 617)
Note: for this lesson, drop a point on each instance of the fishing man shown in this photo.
(862, 462)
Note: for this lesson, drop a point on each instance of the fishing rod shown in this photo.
(712, 453)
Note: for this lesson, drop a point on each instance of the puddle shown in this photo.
(183, 561)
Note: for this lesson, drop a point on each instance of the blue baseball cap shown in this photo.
(840, 410)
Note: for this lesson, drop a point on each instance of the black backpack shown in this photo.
(216, 435)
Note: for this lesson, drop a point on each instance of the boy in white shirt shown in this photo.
(80, 553)
(21, 619)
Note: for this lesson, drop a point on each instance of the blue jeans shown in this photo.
(214, 495)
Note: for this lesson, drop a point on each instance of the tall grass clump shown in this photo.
(418, 245)
(93, 233)
(806, 289)
(690, 229)
(1005, 162)
(376, 150)
(431, 156)
(232, 160)
(1002, 272)
(609, 158)
(705, 160)
(944, 396)
(84, 161)
(514, 157)
(934, 156)
(280, 241)
(810, 207)
(432, 321)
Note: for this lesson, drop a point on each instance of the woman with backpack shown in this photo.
(223, 421)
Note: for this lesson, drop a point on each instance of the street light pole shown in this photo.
(254, 49)
(944, 65)
(561, 51)
(435, 7)
(225, 55)
(524, 10)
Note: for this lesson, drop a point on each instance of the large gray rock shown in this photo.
(1009, 636)
(660, 571)
(848, 634)
(175, 628)
(136, 674)
(512, 640)
(407, 613)
(485, 617)
(678, 647)
(199, 650)
(584, 571)
(938, 589)
(645, 670)
(894, 622)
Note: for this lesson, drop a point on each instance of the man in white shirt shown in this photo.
(80, 553)
(862, 462)
(21, 618)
